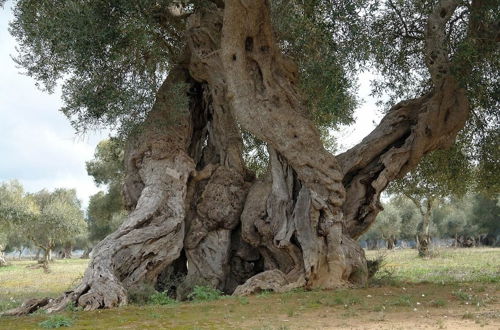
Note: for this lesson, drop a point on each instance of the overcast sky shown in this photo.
(38, 146)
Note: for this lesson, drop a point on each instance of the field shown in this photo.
(456, 289)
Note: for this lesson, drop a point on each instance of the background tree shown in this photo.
(58, 220)
(106, 209)
(184, 82)
(486, 214)
(387, 226)
(440, 175)
(398, 221)
(15, 210)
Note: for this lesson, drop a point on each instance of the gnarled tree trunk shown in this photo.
(200, 217)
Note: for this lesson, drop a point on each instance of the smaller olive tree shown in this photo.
(442, 174)
(58, 220)
(398, 221)
(14, 209)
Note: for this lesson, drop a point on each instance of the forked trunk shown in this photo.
(200, 217)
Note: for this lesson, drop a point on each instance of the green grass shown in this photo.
(56, 321)
(412, 296)
(446, 267)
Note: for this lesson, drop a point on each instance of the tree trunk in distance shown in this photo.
(86, 253)
(37, 256)
(423, 236)
(391, 242)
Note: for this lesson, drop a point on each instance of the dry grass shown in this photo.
(18, 282)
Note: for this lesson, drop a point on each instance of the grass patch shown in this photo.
(449, 266)
(162, 299)
(204, 293)
(56, 321)
(438, 303)
(403, 300)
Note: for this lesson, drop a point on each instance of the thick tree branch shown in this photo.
(436, 50)
(262, 85)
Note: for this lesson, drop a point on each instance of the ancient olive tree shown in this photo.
(185, 81)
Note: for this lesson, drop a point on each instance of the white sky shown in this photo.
(39, 148)
(37, 144)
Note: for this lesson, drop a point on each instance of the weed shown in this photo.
(290, 312)
(56, 321)
(243, 300)
(464, 296)
(264, 293)
(204, 293)
(404, 300)
(384, 277)
(71, 307)
(161, 298)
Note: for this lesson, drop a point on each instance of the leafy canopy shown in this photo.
(45, 218)
(112, 55)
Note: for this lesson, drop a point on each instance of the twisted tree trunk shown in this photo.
(200, 217)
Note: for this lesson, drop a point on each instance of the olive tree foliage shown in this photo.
(45, 218)
(112, 56)
(15, 211)
(186, 80)
(106, 209)
(471, 220)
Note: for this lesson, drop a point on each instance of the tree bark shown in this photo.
(199, 217)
